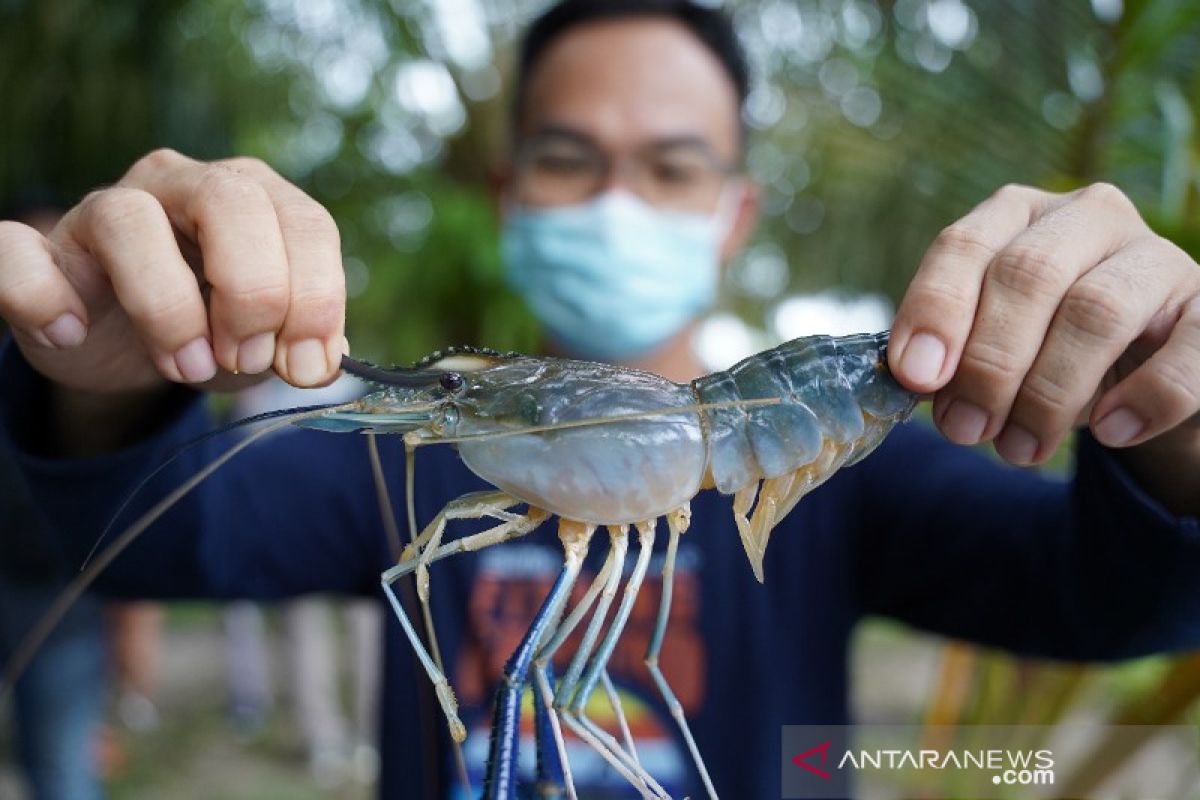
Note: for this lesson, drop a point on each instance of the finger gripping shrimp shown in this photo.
(601, 445)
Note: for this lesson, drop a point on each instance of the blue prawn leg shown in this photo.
(620, 548)
(551, 778)
(570, 685)
(573, 712)
(500, 780)
(677, 523)
(542, 673)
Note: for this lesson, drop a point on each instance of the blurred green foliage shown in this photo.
(916, 111)
(876, 123)
(343, 98)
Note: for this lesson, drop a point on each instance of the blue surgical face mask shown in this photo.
(614, 277)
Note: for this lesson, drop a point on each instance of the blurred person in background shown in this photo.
(104, 648)
(314, 654)
(59, 702)
(625, 195)
(135, 640)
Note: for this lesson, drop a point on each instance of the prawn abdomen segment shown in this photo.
(832, 391)
(837, 403)
(619, 472)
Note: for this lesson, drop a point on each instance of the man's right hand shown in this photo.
(181, 271)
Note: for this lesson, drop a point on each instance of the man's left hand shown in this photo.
(1037, 312)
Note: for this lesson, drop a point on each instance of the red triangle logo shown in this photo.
(823, 749)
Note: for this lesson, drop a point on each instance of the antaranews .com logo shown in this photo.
(1019, 767)
(980, 762)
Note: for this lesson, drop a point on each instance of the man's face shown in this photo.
(637, 104)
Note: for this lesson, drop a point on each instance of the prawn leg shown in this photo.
(776, 498)
(609, 578)
(572, 699)
(475, 505)
(445, 694)
(743, 501)
(396, 549)
(500, 780)
(552, 780)
(542, 669)
(614, 701)
(542, 679)
(568, 688)
(471, 506)
(604, 744)
(620, 548)
(604, 586)
(677, 523)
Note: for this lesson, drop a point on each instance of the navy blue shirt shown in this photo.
(935, 535)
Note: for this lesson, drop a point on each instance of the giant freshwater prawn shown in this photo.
(598, 446)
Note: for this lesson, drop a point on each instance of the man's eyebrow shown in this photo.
(556, 131)
(683, 141)
(694, 143)
(552, 131)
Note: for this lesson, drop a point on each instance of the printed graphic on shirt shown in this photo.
(510, 587)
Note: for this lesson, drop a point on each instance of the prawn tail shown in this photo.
(836, 403)
(37, 635)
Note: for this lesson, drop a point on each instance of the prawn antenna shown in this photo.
(186, 446)
(33, 640)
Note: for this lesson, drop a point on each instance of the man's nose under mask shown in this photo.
(615, 277)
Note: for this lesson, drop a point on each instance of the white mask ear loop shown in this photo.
(729, 201)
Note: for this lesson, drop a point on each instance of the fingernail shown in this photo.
(195, 361)
(1017, 445)
(306, 361)
(345, 345)
(923, 358)
(964, 422)
(1118, 427)
(66, 331)
(256, 354)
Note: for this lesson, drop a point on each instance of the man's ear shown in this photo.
(745, 220)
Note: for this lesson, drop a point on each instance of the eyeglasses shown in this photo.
(561, 168)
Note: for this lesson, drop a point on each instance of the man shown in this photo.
(627, 122)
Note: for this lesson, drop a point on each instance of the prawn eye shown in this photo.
(452, 382)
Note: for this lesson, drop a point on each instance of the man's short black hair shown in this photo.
(709, 25)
